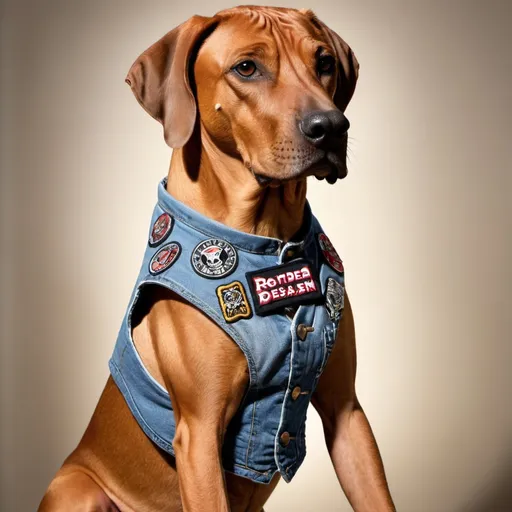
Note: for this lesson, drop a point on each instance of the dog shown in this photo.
(240, 317)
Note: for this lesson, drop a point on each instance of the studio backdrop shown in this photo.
(422, 223)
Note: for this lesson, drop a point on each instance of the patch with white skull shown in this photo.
(233, 301)
(214, 258)
(334, 298)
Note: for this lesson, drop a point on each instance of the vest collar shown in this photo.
(244, 241)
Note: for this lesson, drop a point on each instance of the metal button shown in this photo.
(285, 438)
(290, 253)
(296, 392)
(302, 331)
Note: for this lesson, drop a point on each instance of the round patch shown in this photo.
(330, 253)
(164, 258)
(214, 258)
(161, 229)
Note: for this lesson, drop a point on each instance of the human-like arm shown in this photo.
(348, 435)
(206, 374)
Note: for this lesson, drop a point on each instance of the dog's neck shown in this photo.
(219, 186)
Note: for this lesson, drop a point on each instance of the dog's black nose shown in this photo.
(321, 125)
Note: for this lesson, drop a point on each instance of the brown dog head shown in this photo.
(268, 86)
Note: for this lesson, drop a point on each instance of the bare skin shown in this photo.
(252, 158)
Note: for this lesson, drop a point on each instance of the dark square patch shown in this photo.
(284, 285)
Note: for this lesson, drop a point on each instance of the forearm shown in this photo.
(357, 462)
(200, 472)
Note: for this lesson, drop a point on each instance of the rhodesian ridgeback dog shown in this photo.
(252, 101)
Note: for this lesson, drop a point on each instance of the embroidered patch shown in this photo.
(164, 258)
(330, 253)
(214, 258)
(161, 229)
(233, 301)
(334, 298)
(284, 285)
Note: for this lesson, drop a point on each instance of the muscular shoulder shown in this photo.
(199, 363)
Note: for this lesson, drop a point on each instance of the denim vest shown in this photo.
(224, 272)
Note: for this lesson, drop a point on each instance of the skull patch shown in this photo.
(214, 258)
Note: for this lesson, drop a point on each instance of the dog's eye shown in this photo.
(326, 65)
(246, 68)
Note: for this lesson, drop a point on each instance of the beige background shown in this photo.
(423, 223)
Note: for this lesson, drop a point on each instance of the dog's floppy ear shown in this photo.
(349, 72)
(348, 78)
(160, 78)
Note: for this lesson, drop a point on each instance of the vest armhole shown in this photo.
(141, 304)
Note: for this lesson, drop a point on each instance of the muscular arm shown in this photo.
(206, 375)
(350, 441)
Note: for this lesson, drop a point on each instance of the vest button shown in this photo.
(296, 392)
(302, 331)
(290, 253)
(285, 438)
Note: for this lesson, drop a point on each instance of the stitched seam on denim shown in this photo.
(307, 239)
(137, 412)
(321, 367)
(204, 307)
(212, 234)
(256, 477)
(253, 470)
(131, 340)
(164, 444)
(163, 182)
(123, 350)
(302, 427)
(290, 466)
(296, 463)
(287, 392)
(251, 433)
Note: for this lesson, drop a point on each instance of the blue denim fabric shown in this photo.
(278, 360)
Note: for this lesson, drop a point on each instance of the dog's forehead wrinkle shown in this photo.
(257, 48)
(260, 50)
(232, 40)
(293, 60)
(268, 19)
(267, 33)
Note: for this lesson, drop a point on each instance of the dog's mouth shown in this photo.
(331, 168)
(326, 165)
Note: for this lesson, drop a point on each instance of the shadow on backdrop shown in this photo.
(497, 495)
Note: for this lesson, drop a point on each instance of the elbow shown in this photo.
(196, 436)
(182, 438)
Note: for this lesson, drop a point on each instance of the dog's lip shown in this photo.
(327, 165)
(263, 180)
(330, 167)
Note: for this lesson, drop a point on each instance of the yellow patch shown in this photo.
(233, 301)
